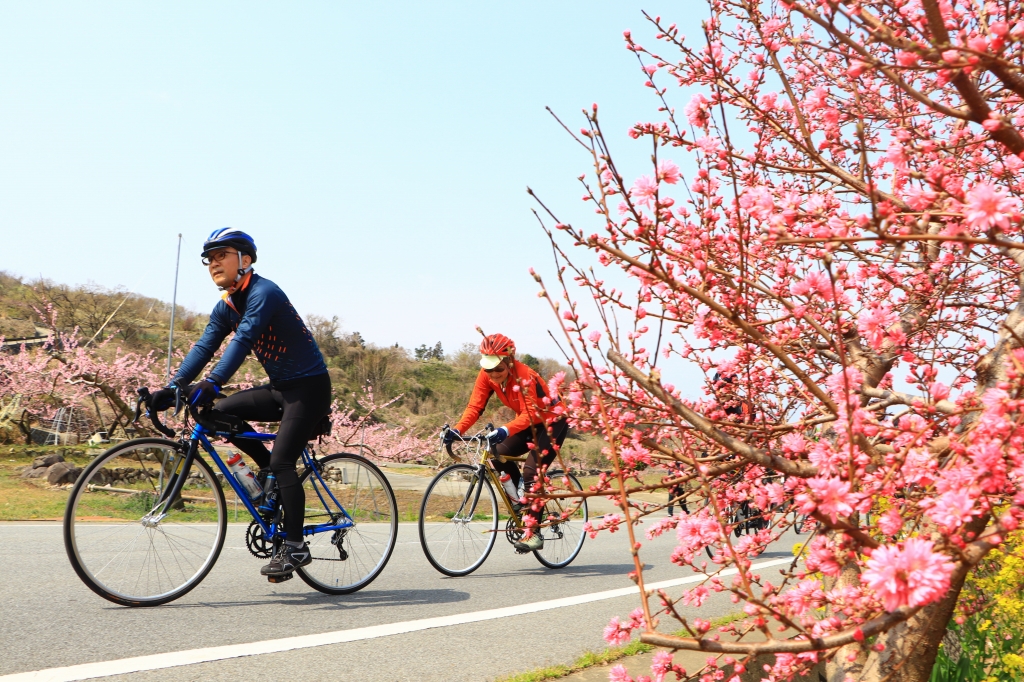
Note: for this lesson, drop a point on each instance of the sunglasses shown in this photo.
(496, 369)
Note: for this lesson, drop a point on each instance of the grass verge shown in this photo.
(609, 655)
(587, 660)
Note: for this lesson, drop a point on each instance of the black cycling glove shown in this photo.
(203, 393)
(162, 400)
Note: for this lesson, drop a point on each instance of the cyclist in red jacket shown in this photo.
(538, 428)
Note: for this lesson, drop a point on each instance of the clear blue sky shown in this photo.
(378, 152)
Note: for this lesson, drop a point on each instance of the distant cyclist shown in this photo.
(536, 429)
(298, 395)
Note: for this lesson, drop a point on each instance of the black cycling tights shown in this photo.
(519, 444)
(298, 404)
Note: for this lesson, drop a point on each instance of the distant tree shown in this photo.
(325, 333)
(425, 352)
(530, 361)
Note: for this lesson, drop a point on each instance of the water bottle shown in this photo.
(243, 474)
(269, 495)
(509, 486)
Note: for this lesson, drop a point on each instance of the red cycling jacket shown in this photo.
(523, 392)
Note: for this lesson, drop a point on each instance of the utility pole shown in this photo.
(174, 305)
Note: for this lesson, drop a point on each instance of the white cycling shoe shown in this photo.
(531, 544)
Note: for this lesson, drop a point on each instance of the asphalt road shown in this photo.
(50, 619)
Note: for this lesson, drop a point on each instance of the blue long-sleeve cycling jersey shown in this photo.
(265, 322)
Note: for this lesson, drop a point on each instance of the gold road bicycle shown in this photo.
(459, 514)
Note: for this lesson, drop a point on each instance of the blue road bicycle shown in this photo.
(146, 520)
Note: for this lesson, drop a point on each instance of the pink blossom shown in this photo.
(911, 575)
(697, 112)
(668, 171)
(833, 496)
(794, 444)
(896, 155)
(805, 596)
(815, 283)
(988, 206)
(906, 58)
(938, 390)
(952, 509)
(890, 522)
(696, 596)
(874, 322)
(644, 190)
(661, 665)
(619, 674)
(758, 202)
(821, 556)
(617, 633)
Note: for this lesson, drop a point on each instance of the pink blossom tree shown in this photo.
(841, 243)
(368, 434)
(63, 373)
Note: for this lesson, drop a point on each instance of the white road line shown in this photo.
(174, 659)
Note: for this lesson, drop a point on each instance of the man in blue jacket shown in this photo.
(298, 395)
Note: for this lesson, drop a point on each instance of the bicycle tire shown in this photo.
(454, 542)
(562, 541)
(174, 544)
(348, 560)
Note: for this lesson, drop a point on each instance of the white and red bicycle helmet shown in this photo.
(494, 348)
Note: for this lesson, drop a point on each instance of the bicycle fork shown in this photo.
(472, 496)
(181, 465)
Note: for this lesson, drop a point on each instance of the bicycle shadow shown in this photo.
(572, 571)
(375, 599)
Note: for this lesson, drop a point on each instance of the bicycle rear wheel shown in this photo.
(348, 560)
(458, 520)
(563, 538)
(120, 547)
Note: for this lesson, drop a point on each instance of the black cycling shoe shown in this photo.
(287, 559)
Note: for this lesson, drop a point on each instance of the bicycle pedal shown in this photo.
(280, 578)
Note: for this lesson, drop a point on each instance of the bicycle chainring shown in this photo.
(257, 542)
(514, 534)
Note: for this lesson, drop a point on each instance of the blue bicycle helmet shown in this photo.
(229, 236)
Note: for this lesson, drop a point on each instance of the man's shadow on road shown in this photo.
(358, 600)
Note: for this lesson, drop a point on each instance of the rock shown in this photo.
(47, 461)
(31, 472)
(61, 473)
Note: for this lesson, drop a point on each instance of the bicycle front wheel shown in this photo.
(458, 520)
(348, 559)
(562, 525)
(119, 542)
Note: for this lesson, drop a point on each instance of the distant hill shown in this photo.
(434, 385)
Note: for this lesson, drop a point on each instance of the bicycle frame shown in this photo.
(487, 454)
(271, 529)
